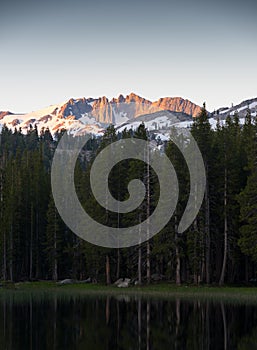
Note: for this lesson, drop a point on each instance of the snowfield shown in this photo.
(159, 123)
(48, 118)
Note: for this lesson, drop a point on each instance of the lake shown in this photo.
(124, 322)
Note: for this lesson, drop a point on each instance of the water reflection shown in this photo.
(124, 322)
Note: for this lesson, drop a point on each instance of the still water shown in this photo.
(124, 322)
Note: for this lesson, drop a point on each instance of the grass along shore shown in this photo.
(160, 290)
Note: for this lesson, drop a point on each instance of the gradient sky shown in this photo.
(54, 50)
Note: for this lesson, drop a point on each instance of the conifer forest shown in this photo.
(220, 246)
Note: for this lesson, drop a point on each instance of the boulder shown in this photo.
(66, 281)
(122, 282)
(118, 281)
(136, 283)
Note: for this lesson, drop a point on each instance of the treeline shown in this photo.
(219, 247)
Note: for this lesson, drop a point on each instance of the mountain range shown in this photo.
(93, 115)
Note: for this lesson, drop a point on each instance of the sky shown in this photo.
(50, 51)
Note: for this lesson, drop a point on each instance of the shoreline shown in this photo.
(160, 291)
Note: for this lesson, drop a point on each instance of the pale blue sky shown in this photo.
(200, 50)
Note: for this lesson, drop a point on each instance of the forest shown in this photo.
(220, 247)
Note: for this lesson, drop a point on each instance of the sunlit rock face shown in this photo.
(94, 114)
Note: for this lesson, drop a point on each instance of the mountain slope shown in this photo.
(241, 108)
(93, 115)
(160, 121)
(178, 104)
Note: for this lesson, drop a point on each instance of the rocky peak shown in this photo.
(178, 104)
(4, 113)
(75, 107)
(120, 99)
(101, 111)
(132, 97)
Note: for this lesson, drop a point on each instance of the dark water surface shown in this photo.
(124, 322)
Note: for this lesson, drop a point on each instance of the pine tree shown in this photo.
(174, 239)
(247, 197)
(53, 240)
(201, 131)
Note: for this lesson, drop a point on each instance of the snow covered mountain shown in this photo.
(54, 117)
(158, 123)
(241, 109)
(93, 115)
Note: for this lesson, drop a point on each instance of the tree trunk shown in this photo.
(222, 276)
(139, 265)
(4, 270)
(108, 273)
(178, 263)
(118, 264)
(148, 248)
(11, 253)
(178, 278)
(148, 266)
(4, 259)
(195, 258)
(207, 230)
(118, 250)
(202, 275)
(139, 262)
(55, 267)
(38, 250)
(246, 270)
(31, 243)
